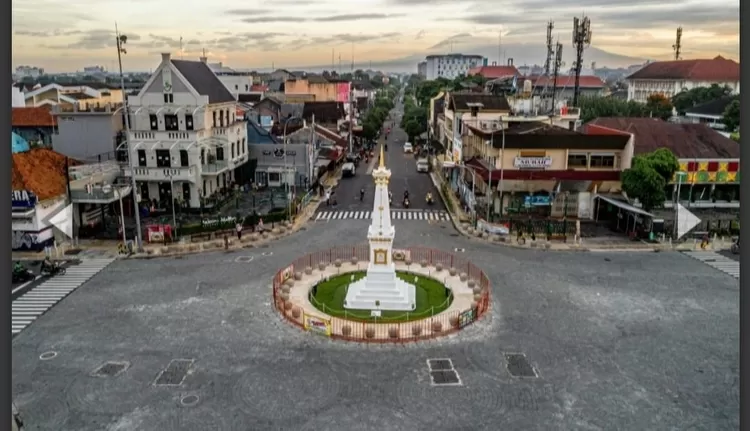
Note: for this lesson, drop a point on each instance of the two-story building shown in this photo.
(186, 139)
(81, 95)
(313, 88)
(566, 168)
(671, 77)
(94, 132)
(36, 125)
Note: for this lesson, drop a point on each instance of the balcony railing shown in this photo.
(215, 167)
(169, 135)
(162, 174)
(104, 194)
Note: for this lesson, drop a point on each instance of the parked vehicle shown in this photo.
(423, 165)
(408, 149)
(348, 170)
(54, 269)
(21, 274)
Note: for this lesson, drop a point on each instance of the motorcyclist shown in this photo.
(47, 264)
(361, 194)
(18, 268)
(390, 196)
(428, 198)
(406, 194)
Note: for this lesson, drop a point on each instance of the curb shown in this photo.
(541, 245)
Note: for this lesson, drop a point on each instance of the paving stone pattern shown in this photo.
(620, 341)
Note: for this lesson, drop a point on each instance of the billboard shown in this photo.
(318, 325)
(342, 91)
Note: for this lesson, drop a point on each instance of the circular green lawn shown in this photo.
(432, 298)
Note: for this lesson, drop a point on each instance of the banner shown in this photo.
(318, 325)
(465, 318)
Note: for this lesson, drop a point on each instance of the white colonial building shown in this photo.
(450, 66)
(671, 77)
(186, 139)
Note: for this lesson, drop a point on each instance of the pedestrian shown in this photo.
(239, 230)
(260, 225)
(328, 198)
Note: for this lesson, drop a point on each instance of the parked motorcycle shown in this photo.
(735, 248)
(53, 270)
(22, 275)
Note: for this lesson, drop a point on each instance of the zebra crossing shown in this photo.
(37, 301)
(717, 261)
(429, 215)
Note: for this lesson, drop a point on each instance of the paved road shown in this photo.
(404, 176)
(620, 341)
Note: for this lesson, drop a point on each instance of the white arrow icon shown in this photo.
(64, 221)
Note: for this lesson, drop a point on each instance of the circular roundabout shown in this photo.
(449, 293)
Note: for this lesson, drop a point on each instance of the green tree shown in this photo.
(659, 106)
(648, 177)
(731, 116)
(687, 99)
(594, 107)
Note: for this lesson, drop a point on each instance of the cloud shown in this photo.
(330, 18)
(339, 39)
(249, 12)
(47, 33)
(94, 39)
(455, 39)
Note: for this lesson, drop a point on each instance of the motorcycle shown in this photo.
(53, 270)
(735, 248)
(390, 198)
(406, 202)
(428, 199)
(22, 275)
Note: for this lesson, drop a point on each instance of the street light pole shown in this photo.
(286, 172)
(675, 230)
(122, 217)
(502, 166)
(120, 40)
(174, 216)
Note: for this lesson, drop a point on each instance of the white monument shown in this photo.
(381, 289)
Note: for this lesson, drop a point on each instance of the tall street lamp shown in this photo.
(120, 40)
(286, 173)
(174, 216)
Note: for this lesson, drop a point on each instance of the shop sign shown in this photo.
(218, 221)
(279, 153)
(532, 162)
(22, 199)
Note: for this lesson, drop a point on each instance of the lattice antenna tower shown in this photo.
(581, 41)
(677, 47)
(558, 63)
(550, 49)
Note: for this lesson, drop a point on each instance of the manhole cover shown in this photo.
(72, 252)
(445, 378)
(110, 369)
(46, 356)
(440, 364)
(175, 372)
(518, 365)
(189, 400)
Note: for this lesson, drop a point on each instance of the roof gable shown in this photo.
(714, 108)
(718, 69)
(204, 81)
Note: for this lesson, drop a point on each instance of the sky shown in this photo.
(65, 36)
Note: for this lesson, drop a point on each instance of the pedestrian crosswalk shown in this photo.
(37, 301)
(430, 215)
(717, 261)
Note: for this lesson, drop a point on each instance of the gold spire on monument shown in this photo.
(382, 159)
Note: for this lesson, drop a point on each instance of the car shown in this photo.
(423, 165)
(408, 148)
(348, 170)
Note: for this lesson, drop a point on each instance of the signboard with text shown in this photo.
(22, 199)
(532, 162)
(318, 325)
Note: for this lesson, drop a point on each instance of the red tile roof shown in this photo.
(41, 171)
(33, 117)
(717, 69)
(567, 81)
(492, 72)
(686, 141)
(259, 87)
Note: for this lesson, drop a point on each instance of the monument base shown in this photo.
(392, 293)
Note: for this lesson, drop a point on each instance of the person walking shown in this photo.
(239, 230)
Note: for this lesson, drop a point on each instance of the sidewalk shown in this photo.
(462, 223)
(109, 248)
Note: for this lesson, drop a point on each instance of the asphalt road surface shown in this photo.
(404, 176)
(626, 341)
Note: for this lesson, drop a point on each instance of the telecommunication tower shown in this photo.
(677, 47)
(556, 71)
(581, 41)
(550, 49)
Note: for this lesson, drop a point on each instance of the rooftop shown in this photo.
(490, 102)
(538, 135)
(717, 69)
(32, 117)
(567, 81)
(323, 112)
(492, 72)
(713, 108)
(203, 80)
(686, 141)
(41, 171)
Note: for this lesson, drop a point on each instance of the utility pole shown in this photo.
(550, 49)
(121, 40)
(581, 40)
(556, 72)
(677, 47)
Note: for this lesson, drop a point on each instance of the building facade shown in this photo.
(671, 77)
(450, 66)
(36, 125)
(88, 134)
(186, 140)
(422, 69)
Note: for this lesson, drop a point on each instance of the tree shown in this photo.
(594, 107)
(659, 106)
(731, 116)
(648, 177)
(687, 99)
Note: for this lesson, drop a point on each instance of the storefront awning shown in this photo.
(625, 206)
